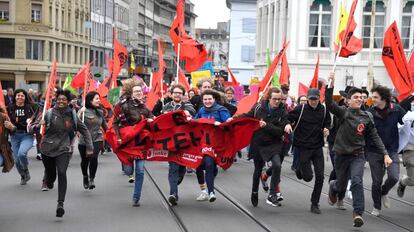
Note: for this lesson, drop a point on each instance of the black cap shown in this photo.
(344, 93)
(313, 94)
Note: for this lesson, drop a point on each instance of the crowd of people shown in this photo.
(355, 134)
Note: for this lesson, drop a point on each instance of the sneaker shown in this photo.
(44, 186)
(60, 210)
(135, 203)
(298, 174)
(279, 197)
(27, 175)
(332, 197)
(400, 189)
(49, 185)
(91, 184)
(358, 221)
(340, 205)
(23, 180)
(315, 209)
(375, 212)
(131, 179)
(272, 200)
(264, 185)
(203, 196)
(85, 182)
(255, 199)
(386, 201)
(212, 197)
(39, 156)
(172, 199)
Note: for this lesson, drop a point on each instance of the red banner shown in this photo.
(171, 137)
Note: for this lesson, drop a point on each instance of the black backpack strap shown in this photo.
(300, 117)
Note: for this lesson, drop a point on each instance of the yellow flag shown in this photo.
(343, 20)
(132, 61)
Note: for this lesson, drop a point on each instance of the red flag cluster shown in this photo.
(350, 45)
(193, 52)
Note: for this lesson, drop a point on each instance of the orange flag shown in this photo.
(285, 70)
(2, 101)
(50, 93)
(119, 59)
(177, 27)
(350, 44)
(246, 103)
(79, 79)
(314, 82)
(157, 80)
(234, 82)
(396, 63)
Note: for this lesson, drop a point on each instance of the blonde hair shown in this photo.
(129, 84)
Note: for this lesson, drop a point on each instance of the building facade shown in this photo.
(311, 28)
(217, 42)
(242, 39)
(34, 33)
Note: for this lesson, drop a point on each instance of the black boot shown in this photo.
(60, 210)
(255, 199)
(85, 182)
(91, 184)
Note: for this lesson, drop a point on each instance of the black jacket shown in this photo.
(157, 110)
(267, 141)
(309, 131)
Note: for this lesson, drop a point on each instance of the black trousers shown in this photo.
(57, 165)
(90, 162)
(276, 169)
(307, 157)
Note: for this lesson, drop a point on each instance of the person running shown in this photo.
(61, 124)
(129, 111)
(406, 145)
(211, 110)
(387, 115)
(94, 120)
(22, 113)
(266, 143)
(311, 123)
(6, 157)
(176, 172)
(355, 126)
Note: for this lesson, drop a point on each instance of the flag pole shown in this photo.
(370, 76)
(178, 62)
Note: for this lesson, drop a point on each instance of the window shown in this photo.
(34, 49)
(36, 13)
(57, 52)
(247, 54)
(108, 33)
(50, 51)
(101, 59)
(57, 19)
(96, 58)
(6, 48)
(320, 24)
(249, 25)
(4, 11)
(110, 8)
(63, 53)
(407, 26)
(69, 54)
(379, 24)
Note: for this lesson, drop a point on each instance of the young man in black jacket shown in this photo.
(356, 126)
(311, 122)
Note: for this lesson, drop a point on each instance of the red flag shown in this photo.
(303, 90)
(194, 54)
(285, 72)
(233, 78)
(157, 79)
(120, 58)
(79, 79)
(314, 82)
(177, 27)
(89, 83)
(350, 45)
(51, 87)
(2, 101)
(322, 92)
(395, 62)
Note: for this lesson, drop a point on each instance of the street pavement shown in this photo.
(109, 208)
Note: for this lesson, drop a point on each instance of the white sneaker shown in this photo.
(340, 205)
(212, 197)
(386, 201)
(376, 212)
(203, 196)
(279, 197)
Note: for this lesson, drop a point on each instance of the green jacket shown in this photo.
(355, 127)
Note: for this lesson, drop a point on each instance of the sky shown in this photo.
(210, 12)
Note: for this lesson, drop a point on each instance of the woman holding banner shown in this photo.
(94, 120)
(211, 110)
(129, 111)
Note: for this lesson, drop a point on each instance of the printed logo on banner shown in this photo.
(153, 153)
(191, 157)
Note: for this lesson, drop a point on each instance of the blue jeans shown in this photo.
(139, 177)
(1, 160)
(211, 171)
(347, 167)
(376, 164)
(21, 144)
(175, 172)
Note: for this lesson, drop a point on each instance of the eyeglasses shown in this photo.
(276, 99)
(179, 93)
